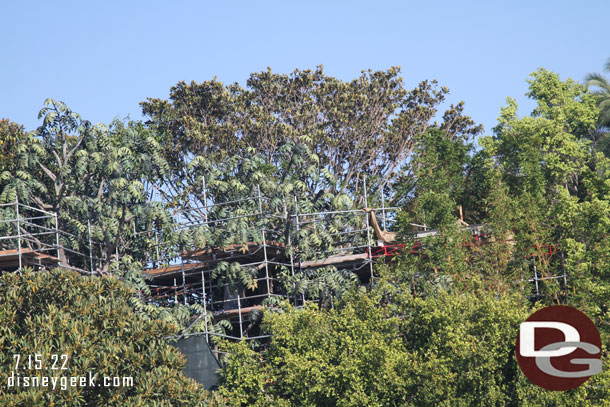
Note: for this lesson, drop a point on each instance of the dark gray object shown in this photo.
(201, 365)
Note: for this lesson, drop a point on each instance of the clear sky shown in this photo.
(103, 58)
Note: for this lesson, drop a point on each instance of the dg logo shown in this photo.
(559, 348)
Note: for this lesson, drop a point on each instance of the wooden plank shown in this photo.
(10, 258)
(174, 269)
(232, 312)
(15, 252)
(334, 260)
(246, 247)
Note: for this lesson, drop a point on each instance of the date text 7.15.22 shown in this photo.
(37, 362)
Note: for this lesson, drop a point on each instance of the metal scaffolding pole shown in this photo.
(291, 256)
(175, 291)
(90, 251)
(183, 281)
(205, 201)
(260, 210)
(157, 249)
(18, 233)
(57, 235)
(296, 226)
(205, 306)
(241, 331)
(536, 279)
(368, 231)
(383, 209)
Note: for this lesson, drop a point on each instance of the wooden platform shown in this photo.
(236, 311)
(335, 260)
(9, 259)
(204, 259)
(177, 269)
(210, 253)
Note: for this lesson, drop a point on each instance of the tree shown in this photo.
(366, 126)
(306, 141)
(11, 136)
(602, 96)
(240, 180)
(93, 176)
(90, 320)
(389, 348)
(439, 163)
(116, 170)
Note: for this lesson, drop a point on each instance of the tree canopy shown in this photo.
(365, 127)
(92, 322)
(436, 325)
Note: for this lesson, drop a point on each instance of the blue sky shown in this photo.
(103, 58)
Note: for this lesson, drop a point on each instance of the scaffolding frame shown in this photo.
(31, 237)
(188, 277)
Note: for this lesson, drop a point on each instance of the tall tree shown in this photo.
(52, 154)
(89, 175)
(558, 189)
(389, 348)
(91, 322)
(601, 87)
(365, 127)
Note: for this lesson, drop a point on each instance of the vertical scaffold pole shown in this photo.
(175, 292)
(260, 210)
(241, 330)
(56, 234)
(205, 306)
(368, 232)
(205, 201)
(18, 232)
(116, 253)
(90, 250)
(157, 249)
(288, 244)
(383, 209)
(296, 227)
(183, 281)
(536, 279)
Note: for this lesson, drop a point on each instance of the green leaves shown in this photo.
(371, 351)
(91, 321)
(365, 126)
(234, 275)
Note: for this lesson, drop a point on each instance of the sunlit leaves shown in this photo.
(90, 320)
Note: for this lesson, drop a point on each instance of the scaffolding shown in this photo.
(544, 256)
(279, 245)
(186, 274)
(31, 237)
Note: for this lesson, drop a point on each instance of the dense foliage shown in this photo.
(437, 326)
(92, 322)
(363, 128)
(541, 191)
(391, 348)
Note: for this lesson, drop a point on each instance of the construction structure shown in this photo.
(31, 237)
(234, 264)
(281, 252)
(274, 255)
